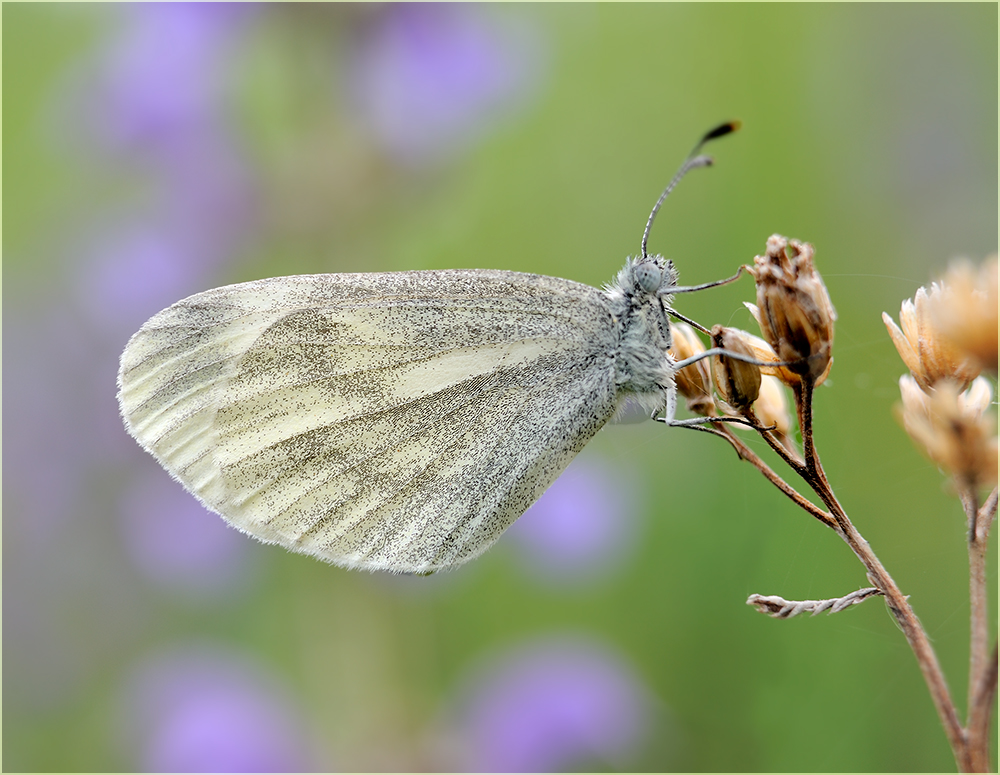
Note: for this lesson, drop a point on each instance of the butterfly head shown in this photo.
(653, 275)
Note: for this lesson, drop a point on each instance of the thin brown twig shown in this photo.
(970, 503)
(978, 612)
(988, 512)
(803, 391)
(792, 460)
(879, 576)
(980, 715)
(751, 457)
(982, 669)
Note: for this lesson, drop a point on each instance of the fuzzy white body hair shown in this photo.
(644, 369)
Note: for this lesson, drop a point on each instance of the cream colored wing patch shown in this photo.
(386, 421)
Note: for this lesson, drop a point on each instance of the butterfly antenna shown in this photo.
(689, 164)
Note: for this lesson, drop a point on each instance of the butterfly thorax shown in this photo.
(643, 365)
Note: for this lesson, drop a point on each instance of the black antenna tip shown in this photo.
(690, 163)
(722, 130)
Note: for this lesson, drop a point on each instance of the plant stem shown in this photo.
(982, 669)
(978, 613)
(980, 713)
(984, 521)
(751, 457)
(793, 461)
(898, 605)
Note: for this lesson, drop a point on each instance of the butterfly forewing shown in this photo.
(386, 421)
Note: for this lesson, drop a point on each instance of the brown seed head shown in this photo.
(965, 313)
(952, 428)
(930, 356)
(771, 407)
(738, 382)
(693, 382)
(762, 351)
(794, 309)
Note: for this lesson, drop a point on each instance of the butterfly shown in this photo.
(396, 421)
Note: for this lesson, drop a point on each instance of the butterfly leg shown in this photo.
(697, 422)
(669, 404)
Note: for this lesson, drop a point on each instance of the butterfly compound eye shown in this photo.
(648, 276)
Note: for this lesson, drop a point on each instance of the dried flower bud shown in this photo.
(693, 382)
(762, 351)
(965, 314)
(771, 407)
(928, 355)
(794, 309)
(951, 428)
(738, 382)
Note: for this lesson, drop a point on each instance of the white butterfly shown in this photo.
(398, 421)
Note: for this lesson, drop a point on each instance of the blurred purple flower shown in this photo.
(178, 544)
(432, 76)
(582, 527)
(159, 95)
(209, 193)
(49, 418)
(163, 79)
(553, 705)
(133, 272)
(201, 708)
(135, 268)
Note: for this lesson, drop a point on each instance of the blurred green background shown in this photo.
(151, 153)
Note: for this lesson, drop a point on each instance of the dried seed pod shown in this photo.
(951, 428)
(771, 406)
(794, 309)
(770, 361)
(738, 382)
(693, 382)
(965, 313)
(928, 355)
